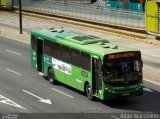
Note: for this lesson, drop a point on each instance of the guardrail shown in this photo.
(93, 13)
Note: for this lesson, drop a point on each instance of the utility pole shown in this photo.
(20, 16)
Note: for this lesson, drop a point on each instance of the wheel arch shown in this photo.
(85, 84)
(49, 68)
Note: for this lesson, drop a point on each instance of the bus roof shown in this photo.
(87, 43)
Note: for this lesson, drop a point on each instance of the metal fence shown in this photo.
(88, 11)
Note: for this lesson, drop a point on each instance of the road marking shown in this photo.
(62, 93)
(14, 39)
(13, 71)
(152, 82)
(114, 117)
(47, 101)
(7, 101)
(147, 89)
(13, 52)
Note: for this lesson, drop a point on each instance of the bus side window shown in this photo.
(66, 55)
(34, 43)
(56, 52)
(85, 61)
(48, 47)
(76, 57)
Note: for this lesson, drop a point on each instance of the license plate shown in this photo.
(125, 94)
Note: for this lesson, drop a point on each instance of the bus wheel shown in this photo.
(89, 92)
(51, 76)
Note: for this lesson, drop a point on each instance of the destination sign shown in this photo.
(124, 55)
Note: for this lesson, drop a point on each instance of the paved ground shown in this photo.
(17, 77)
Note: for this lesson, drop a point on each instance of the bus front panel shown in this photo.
(122, 75)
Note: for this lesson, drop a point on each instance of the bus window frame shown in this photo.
(78, 65)
(63, 55)
(59, 56)
(60, 53)
(46, 52)
(88, 67)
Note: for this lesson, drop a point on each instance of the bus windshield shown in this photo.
(122, 72)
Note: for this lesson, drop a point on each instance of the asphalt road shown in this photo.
(21, 89)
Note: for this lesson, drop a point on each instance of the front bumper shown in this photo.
(123, 92)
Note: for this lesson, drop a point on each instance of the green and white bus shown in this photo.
(87, 63)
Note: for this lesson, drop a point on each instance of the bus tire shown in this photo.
(89, 92)
(51, 76)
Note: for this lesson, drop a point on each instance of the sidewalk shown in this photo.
(13, 33)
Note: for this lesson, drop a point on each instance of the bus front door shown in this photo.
(40, 55)
(97, 76)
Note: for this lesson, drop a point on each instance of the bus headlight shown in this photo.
(106, 88)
